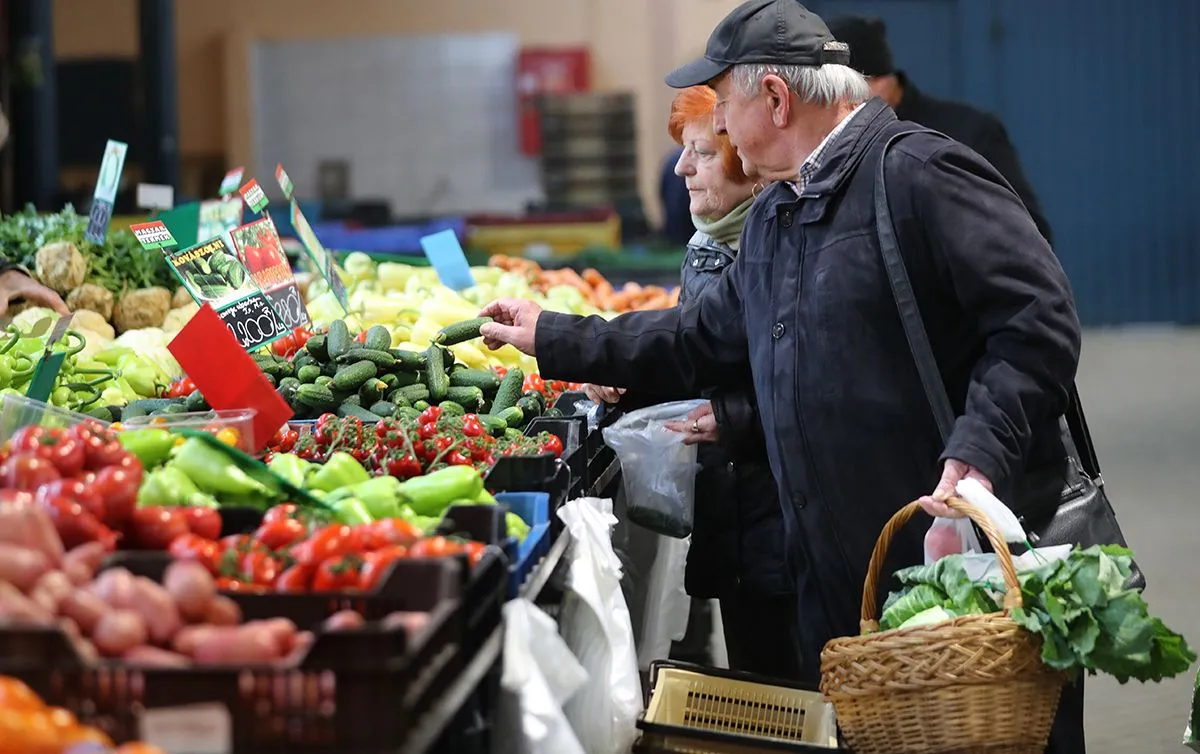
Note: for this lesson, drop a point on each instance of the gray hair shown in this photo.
(825, 85)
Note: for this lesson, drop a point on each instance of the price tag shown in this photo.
(212, 275)
(153, 235)
(45, 374)
(446, 255)
(153, 196)
(261, 251)
(322, 260)
(285, 182)
(227, 375)
(195, 729)
(105, 195)
(231, 181)
(255, 198)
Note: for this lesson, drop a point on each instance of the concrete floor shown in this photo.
(1141, 390)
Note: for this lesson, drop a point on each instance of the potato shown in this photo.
(93, 298)
(223, 611)
(83, 607)
(118, 632)
(18, 608)
(413, 623)
(156, 658)
(26, 524)
(21, 566)
(240, 645)
(344, 620)
(84, 559)
(157, 609)
(51, 589)
(70, 628)
(191, 586)
(301, 643)
(87, 651)
(281, 629)
(116, 587)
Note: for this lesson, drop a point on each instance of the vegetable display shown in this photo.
(29, 726)
(595, 289)
(1080, 607)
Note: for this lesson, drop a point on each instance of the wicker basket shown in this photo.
(972, 684)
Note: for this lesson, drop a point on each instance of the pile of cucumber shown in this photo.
(336, 373)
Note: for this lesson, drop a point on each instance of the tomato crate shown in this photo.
(354, 691)
(485, 523)
(541, 473)
(486, 587)
(571, 431)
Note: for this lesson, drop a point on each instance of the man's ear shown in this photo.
(778, 98)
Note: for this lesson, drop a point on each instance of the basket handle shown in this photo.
(1012, 596)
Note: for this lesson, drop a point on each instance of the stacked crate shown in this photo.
(589, 151)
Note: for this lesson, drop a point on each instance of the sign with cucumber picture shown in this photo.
(212, 274)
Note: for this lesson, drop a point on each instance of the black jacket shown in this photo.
(848, 430)
(980, 131)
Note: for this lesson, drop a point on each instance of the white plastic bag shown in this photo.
(594, 623)
(540, 674)
(668, 604)
(657, 469)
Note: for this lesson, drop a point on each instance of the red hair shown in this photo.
(695, 105)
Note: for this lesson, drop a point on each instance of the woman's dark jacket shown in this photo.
(738, 540)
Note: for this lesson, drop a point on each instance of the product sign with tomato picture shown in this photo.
(261, 251)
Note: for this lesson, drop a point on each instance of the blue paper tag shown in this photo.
(446, 255)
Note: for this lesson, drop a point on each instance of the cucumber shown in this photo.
(460, 332)
(315, 347)
(410, 393)
(436, 378)
(399, 401)
(493, 424)
(317, 397)
(390, 380)
(407, 413)
(372, 391)
(469, 397)
(381, 359)
(553, 413)
(484, 379)
(529, 406)
(512, 434)
(273, 367)
(145, 407)
(195, 401)
(352, 376)
(324, 381)
(270, 379)
(338, 341)
(377, 338)
(408, 361)
(329, 368)
(103, 413)
(302, 359)
(382, 408)
(509, 391)
(287, 388)
(353, 399)
(540, 398)
(420, 405)
(450, 408)
(308, 373)
(512, 416)
(348, 410)
(407, 378)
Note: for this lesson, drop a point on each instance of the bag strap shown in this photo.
(918, 338)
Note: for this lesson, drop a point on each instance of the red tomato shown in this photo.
(205, 522)
(228, 584)
(295, 580)
(74, 524)
(67, 455)
(457, 458)
(434, 547)
(118, 488)
(430, 415)
(280, 533)
(427, 431)
(197, 548)
(377, 565)
(259, 568)
(332, 541)
(387, 532)
(181, 388)
(155, 527)
(27, 472)
(403, 466)
(471, 426)
(552, 444)
(338, 574)
(475, 551)
(533, 382)
(101, 449)
(77, 491)
(281, 512)
(239, 543)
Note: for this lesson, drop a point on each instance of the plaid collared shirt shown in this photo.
(813, 163)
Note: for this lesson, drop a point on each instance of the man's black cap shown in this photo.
(867, 37)
(782, 32)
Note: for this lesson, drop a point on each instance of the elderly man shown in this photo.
(809, 308)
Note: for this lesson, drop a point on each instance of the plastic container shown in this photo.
(534, 509)
(17, 411)
(702, 710)
(240, 420)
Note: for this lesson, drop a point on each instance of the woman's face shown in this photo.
(713, 195)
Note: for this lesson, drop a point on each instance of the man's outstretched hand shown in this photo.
(953, 472)
(15, 284)
(515, 324)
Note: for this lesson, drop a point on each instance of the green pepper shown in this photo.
(291, 467)
(484, 498)
(381, 495)
(112, 355)
(61, 396)
(13, 337)
(6, 371)
(213, 473)
(29, 347)
(351, 512)
(83, 396)
(170, 486)
(151, 446)
(431, 494)
(515, 526)
(341, 470)
(72, 343)
(23, 368)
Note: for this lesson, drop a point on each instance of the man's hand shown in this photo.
(601, 394)
(699, 426)
(515, 324)
(952, 473)
(15, 284)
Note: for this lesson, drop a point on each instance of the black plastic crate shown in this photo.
(542, 473)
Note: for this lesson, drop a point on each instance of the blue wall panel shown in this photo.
(1102, 99)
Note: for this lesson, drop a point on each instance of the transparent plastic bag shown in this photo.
(657, 469)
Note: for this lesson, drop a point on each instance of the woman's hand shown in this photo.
(953, 472)
(699, 426)
(15, 284)
(601, 394)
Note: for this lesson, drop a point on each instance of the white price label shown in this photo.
(155, 196)
(192, 729)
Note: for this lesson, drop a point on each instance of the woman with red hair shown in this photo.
(737, 554)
